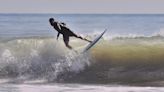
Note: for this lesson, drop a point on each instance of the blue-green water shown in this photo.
(118, 24)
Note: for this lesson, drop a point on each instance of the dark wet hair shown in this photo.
(51, 20)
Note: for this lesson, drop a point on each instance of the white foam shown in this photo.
(7, 56)
(160, 32)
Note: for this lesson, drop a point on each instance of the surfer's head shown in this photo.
(51, 20)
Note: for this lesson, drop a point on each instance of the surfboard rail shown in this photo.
(90, 45)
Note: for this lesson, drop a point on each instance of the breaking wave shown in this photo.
(119, 60)
(38, 58)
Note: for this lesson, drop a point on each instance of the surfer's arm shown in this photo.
(58, 35)
(58, 24)
(63, 23)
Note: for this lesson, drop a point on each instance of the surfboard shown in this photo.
(90, 45)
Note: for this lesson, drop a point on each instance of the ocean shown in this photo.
(129, 57)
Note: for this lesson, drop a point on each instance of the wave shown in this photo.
(120, 60)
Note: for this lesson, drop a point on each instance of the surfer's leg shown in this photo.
(81, 38)
(66, 41)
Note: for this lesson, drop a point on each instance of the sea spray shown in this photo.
(31, 59)
(70, 65)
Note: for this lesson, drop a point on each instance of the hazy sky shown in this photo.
(82, 6)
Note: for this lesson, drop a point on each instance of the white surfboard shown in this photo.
(94, 42)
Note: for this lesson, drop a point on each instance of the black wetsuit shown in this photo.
(66, 32)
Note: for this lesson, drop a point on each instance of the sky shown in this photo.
(82, 6)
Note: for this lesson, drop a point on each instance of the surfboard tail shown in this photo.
(94, 41)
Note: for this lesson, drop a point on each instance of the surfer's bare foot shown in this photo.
(90, 41)
(68, 46)
(87, 40)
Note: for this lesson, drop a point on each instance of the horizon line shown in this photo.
(69, 13)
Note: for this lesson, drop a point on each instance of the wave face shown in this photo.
(120, 60)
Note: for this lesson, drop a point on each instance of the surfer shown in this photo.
(65, 31)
